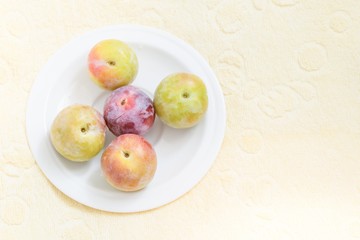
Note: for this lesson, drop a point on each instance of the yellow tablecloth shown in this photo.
(289, 166)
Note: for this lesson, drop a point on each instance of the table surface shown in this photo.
(289, 164)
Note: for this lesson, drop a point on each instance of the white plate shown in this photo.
(184, 156)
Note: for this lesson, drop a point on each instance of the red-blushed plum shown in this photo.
(181, 100)
(112, 64)
(129, 162)
(78, 132)
(129, 110)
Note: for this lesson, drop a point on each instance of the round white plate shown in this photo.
(184, 156)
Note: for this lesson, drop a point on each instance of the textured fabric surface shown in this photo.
(289, 166)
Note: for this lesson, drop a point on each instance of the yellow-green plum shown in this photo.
(78, 132)
(112, 64)
(181, 100)
(129, 162)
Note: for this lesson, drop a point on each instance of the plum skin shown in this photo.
(78, 132)
(129, 163)
(112, 64)
(181, 100)
(129, 110)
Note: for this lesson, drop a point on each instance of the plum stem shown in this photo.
(86, 128)
(185, 95)
(126, 154)
(112, 63)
